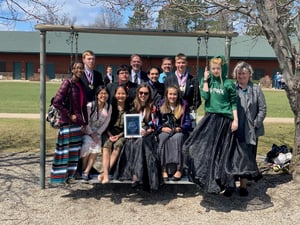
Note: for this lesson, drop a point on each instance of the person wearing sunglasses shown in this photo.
(139, 155)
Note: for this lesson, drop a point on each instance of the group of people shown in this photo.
(215, 153)
(278, 81)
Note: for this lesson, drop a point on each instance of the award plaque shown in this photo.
(132, 125)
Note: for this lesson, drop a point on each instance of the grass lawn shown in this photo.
(24, 97)
(24, 134)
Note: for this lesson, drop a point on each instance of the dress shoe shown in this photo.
(165, 179)
(134, 184)
(228, 192)
(243, 192)
(85, 177)
(176, 178)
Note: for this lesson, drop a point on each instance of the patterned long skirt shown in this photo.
(67, 153)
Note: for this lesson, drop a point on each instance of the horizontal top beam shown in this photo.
(125, 31)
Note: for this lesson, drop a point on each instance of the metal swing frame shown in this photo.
(44, 28)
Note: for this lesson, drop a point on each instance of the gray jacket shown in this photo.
(252, 110)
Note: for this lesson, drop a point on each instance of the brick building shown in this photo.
(20, 59)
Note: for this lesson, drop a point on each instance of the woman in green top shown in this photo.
(208, 148)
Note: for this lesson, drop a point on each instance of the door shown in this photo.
(29, 70)
(17, 70)
(50, 71)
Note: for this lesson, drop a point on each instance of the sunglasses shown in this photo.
(143, 93)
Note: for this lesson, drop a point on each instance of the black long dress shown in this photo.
(207, 152)
(139, 158)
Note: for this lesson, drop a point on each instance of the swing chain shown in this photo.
(206, 46)
(70, 42)
(76, 46)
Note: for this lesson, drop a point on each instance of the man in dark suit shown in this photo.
(91, 78)
(123, 74)
(188, 84)
(109, 78)
(137, 75)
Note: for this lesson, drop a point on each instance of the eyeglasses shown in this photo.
(143, 93)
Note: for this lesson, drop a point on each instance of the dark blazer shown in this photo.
(106, 80)
(184, 122)
(157, 91)
(97, 81)
(191, 93)
(130, 87)
(143, 76)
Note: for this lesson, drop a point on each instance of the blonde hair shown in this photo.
(166, 108)
(242, 66)
(87, 53)
(180, 56)
(219, 61)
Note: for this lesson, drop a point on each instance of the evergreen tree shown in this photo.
(140, 18)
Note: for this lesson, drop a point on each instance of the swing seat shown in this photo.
(94, 180)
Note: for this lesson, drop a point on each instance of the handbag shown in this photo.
(53, 116)
(169, 120)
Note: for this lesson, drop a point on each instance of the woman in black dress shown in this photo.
(139, 161)
(174, 125)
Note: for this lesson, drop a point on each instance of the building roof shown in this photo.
(243, 47)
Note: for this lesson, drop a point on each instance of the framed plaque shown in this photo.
(132, 125)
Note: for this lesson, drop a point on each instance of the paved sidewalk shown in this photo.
(37, 116)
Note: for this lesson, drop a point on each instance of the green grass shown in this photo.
(24, 97)
(277, 104)
(276, 133)
(24, 135)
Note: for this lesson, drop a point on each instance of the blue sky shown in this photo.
(84, 13)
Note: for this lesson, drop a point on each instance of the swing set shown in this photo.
(74, 34)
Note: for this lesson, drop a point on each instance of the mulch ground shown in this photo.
(274, 199)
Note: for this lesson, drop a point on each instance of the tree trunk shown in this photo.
(293, 94)
(295, 166)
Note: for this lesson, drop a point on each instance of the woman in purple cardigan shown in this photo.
(71, 101)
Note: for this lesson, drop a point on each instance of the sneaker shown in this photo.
(243, 192)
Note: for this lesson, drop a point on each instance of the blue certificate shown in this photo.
(132, 125)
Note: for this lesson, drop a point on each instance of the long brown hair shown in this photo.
(166, 108)
(138, 107)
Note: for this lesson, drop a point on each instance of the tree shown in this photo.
(108, 19)
(42, 11)
(140, 18)
(179, 18)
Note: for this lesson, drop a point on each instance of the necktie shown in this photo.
(135, 78)
(89, 76)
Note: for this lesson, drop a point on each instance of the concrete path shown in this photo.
(37, 116)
